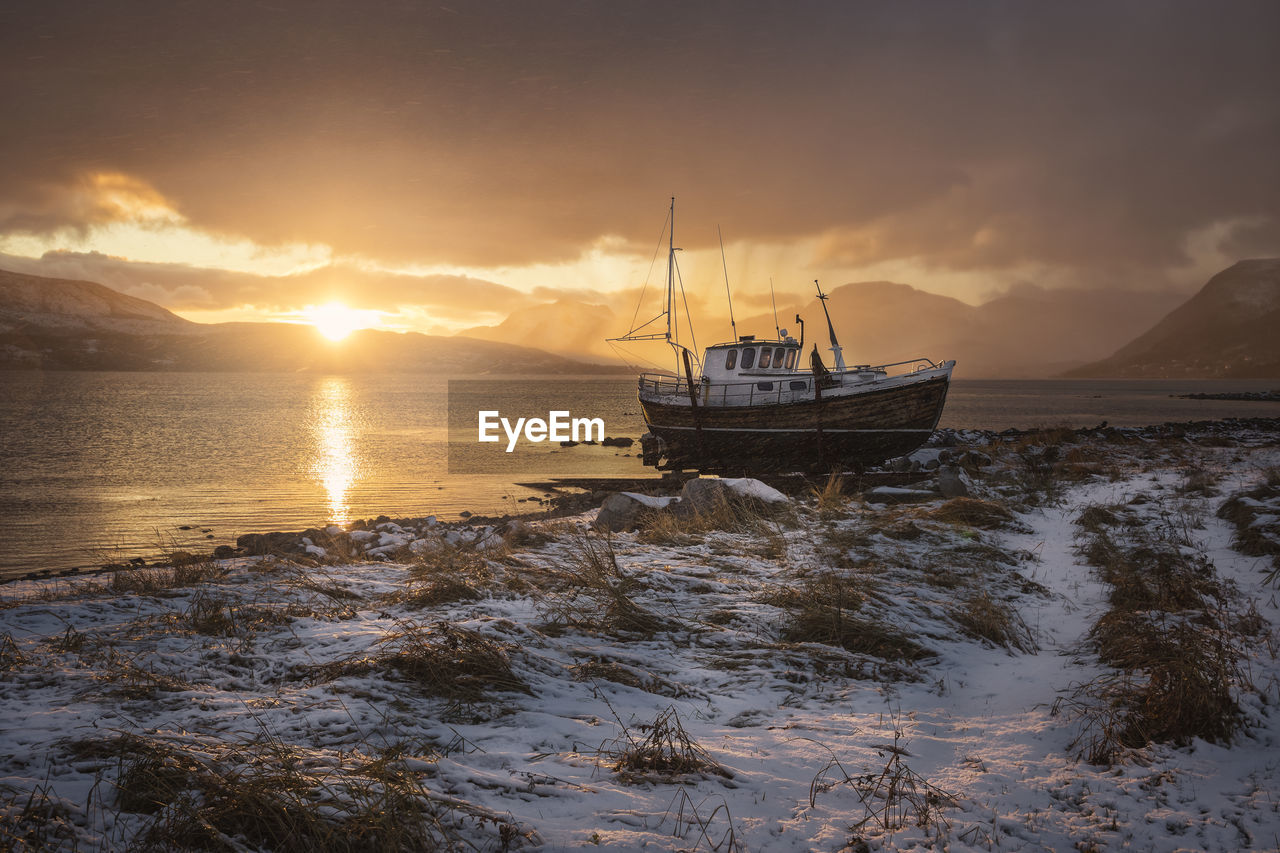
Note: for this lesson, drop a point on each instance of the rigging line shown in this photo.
(649, 275)
(652, 319)
(725, 265)
(774, 300)
(623, 352)
(688, 318)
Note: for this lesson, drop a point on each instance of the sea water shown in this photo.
(102, 467)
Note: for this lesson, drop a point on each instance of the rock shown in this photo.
(568, 443)
(705, 494)
(618, 442)
(895, 495)
(223, 552)
(975, 459)
(953, 482)
(261, 544)
(624, 510)
(466, 513)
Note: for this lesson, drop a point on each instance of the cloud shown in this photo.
(1088, 137)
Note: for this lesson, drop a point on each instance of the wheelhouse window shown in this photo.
(791, 358)
(731, 360)
(777, 356)
(765, 386)
(766, 357)
(748, 357)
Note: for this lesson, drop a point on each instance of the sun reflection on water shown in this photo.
(334, 464)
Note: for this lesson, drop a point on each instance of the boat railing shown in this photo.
(779, 388)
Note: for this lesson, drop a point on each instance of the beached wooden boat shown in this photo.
(756, 405)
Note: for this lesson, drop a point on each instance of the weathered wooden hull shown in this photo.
(850, 430)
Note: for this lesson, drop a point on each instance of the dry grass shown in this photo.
(825, 609)
(831, 500)
(984, 618)
(443, 659)
(893, 796)
(268, 795)
(661, 751)
(157, 581)
(1171, 637)
(125, 679)
(973, 512)
(594, 594)
(35, 820)
(628, 676)
(1096, 518)
(216, 616)
(1248, 511)
(687, 525)
(443, 575)
(11, 657)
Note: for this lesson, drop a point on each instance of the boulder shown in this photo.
(624, 510)
(260, 544)
(896, 495)
(620, 441)
(953, 482)
(705, 494)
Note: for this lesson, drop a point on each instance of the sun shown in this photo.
(335, 321)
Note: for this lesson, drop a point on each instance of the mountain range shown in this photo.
(62, 324)
(1227, 329)
(1231, 328)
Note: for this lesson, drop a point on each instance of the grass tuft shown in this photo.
(444, 659)
(665, 753)
(984, 618)
(825, 609)
(594, 594)
(973, 512)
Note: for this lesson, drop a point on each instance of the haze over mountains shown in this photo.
(1228, 329)
(1029, 332)
(1231, 328)
(61, 324)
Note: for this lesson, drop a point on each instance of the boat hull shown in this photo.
(850, 429)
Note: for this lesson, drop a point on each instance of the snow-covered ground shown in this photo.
(516, 689)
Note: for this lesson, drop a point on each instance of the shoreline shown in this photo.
(567, 504)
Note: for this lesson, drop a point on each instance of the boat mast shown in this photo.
(831, 330)
(671, 263)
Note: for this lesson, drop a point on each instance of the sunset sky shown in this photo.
(440, 166)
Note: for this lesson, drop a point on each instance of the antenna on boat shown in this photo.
(725, 265)
(774, 300)
(831, 330)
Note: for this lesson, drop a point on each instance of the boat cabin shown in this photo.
(748, 357)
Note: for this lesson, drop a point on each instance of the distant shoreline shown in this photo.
(1246, 396)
